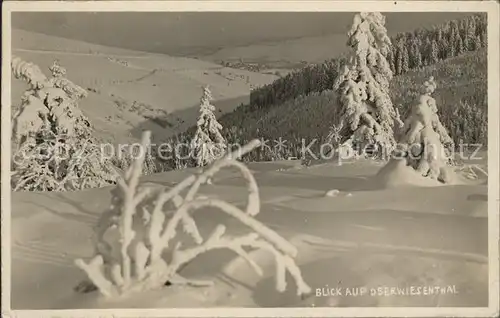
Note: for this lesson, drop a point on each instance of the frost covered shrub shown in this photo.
(53, 146)
(363, 85)
(134, 235)
(425, 141)
(207, 144)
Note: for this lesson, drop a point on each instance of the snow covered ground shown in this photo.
(362, 237)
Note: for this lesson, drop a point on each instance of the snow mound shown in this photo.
(397, 173)
(332, 193)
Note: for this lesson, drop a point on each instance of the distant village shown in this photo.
(262, 67)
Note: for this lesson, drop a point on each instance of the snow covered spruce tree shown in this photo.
(363, 86)
(139, 244)
(425, 144)
(208, 143)
(53, 148)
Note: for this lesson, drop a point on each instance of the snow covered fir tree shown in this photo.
(425, 145)
(208, 144)
(363, 86)
(53, 147)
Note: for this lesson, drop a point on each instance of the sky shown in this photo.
(189, 33)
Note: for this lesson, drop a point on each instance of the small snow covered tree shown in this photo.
(470, 34)
(460, 46)
(53, 147)
(334, 136)
(363, 86)
(452, 50)
(135, 248)
(425, 142)
(405, 63)
(398, 64)
(391, 60)
(434, 52)
(477, 43)
(208, 143)
(416, 56)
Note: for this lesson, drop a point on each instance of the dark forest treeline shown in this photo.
(410, 50)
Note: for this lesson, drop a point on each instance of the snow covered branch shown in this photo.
(134, 237)
(28, 72)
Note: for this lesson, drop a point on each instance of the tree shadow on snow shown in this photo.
(478, 197)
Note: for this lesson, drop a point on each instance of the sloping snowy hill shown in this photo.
(407, 236)
(131, 91)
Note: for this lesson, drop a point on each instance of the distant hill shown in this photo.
(30, 40)
(130, 91)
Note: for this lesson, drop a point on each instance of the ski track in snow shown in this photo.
(39, 252)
